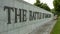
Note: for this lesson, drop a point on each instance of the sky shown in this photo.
(48, 2)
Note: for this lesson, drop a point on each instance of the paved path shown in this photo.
(45, 29)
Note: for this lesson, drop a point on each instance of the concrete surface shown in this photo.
(45, 29)
(21, 27)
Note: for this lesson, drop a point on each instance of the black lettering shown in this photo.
(16, 15)
(34, 16)
(9, 10)
(20, 15)
(24, 15)
(30, 15)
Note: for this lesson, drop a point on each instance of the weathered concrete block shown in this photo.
(19, 17)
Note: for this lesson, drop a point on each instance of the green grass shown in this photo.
(56, 29)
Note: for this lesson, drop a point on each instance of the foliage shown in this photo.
(41, 5)
(37, 3)
(56, 4)
(44, 6)
(53, 11)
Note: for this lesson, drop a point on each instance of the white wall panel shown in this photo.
(19, 27)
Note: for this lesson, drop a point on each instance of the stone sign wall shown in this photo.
(20, 17)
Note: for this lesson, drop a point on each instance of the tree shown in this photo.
(42, 5)
(45, 6)
(37, 3)
(56, 4)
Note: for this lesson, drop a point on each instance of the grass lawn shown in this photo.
(56, 29)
